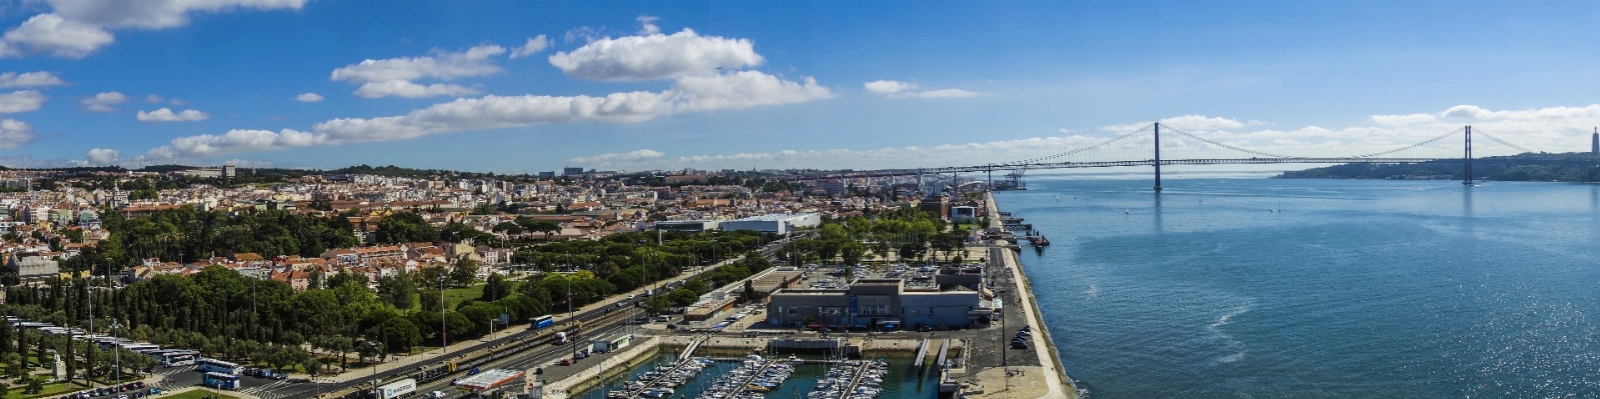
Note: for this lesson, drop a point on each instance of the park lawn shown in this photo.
(453, 296)
(200, 394)
(50, 390)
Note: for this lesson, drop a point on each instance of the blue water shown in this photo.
(1405, 289)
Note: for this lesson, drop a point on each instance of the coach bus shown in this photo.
(221, 381)
(206, 365)
(543, 322)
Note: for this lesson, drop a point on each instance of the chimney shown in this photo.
(1594, 143)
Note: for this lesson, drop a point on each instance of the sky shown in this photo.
(525, 86)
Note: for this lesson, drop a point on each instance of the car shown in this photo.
(155, 391)
(435, 395)
(123, 397)
(566, 362)
(622, 304)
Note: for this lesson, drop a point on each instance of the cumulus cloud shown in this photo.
(696, 94)
(77, 28)
(656, 56)
(103, 102)
(101, 156)
(15, 133)
(888, 86)
(308, 97)
(166, 115)
(21, 101)
(54, 35)
(607, 159)
(404, 88)
(898, 89)
(533, 46)
(153, 99)
(393, 77)
(30, 79)
(647, 25)
(743, 90)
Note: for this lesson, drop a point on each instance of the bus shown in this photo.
(176, 358)
(206, 365)
(221, 381)
(543, 322)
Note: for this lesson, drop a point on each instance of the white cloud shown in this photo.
(166, 115)
(1201, 122)
(393, 77)
(101, 156)
(694, 94)
(60, 37)
(607, 159)
(743, 90)
(78, 28)
(945, 93)
(440, 64)
(647, 25)
(403, 88)
(656, 56)
(308, 97)
(30, 79)
(21, 101)
(533, 46)
(156, 14)
(103, 102)
(15, 133)
(898, 89)
(153, 99)
(888, 86)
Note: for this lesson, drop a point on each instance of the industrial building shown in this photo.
(776, 223)
(955, 299)
(687, 226)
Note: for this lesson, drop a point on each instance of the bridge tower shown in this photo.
(1158, 156)
(1468, 158)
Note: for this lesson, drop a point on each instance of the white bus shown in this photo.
(140, 347)
(207, 365)
(171, 359)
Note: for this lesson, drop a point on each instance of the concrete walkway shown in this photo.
(995, 382)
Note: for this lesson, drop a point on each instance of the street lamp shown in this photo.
(444, 330)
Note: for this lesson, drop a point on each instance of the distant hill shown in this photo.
(1568, 167)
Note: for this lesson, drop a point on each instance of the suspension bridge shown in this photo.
(1145, 147)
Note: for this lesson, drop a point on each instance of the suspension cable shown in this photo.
(1267, 154)
(1101, 144)
(1502, 142)
(1429, 141)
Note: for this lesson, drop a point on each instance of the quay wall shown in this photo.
(1061, 385)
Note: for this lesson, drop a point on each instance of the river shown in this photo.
(1258, 288)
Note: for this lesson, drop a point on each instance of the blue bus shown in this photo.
(207, 365)
(221, 381)
(543, 322)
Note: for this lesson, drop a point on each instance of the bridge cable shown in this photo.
(1101, 144)
(1503, 142)
(1429, 141)
(1267, 154)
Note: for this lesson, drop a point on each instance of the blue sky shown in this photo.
(956, 82)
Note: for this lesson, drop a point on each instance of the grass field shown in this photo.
(50, 390)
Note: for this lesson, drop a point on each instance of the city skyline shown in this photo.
(527, 87)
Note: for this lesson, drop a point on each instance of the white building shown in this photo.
(778, 223)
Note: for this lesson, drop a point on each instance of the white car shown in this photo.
(435, 395)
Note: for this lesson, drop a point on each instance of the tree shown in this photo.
(657, 304)
(396, 290)
(466, 270)
(399, 334)
(682, 297)
(497, 287)
(405, 227)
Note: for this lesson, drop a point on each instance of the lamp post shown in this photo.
(444, 330)
(116, 352)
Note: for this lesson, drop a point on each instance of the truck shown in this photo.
(397, 389)
(561, 338)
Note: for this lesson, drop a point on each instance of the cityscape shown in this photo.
(957, 200)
